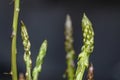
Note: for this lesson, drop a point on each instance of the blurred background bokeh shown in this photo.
(45, 20)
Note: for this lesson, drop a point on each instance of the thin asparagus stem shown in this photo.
(87, 48)
(14, 37)
(69, 49)
(39, 60)
(27, 53)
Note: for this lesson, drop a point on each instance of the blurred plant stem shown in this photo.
(27, 53)
(14, 37)
(87, 48)
(90, 74)
(21, 76)
(39, 60)
(69, 49)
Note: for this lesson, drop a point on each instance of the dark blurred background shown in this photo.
(45, 20)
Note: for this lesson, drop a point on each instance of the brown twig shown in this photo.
(21, 76)
(90, 72)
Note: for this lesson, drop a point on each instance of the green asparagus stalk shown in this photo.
(69, 49)
(27, 53)
(39, 60)
(14, 37)
(87, 48)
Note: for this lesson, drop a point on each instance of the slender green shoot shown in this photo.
(27, 53)
(69, 49)
(39, 60)
(87, 48)
(14, 37)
